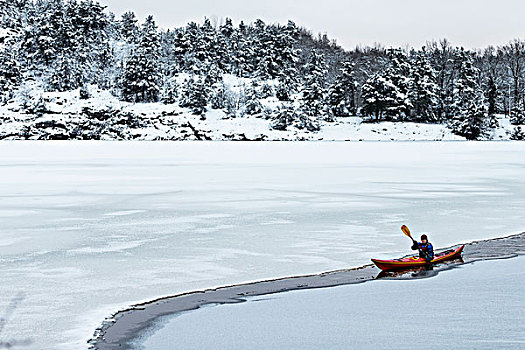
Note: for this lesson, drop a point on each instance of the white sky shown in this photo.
(470, 23)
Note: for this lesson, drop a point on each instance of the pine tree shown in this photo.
(203, 51)
(473, 124)
(342, 93)
(224, 47)
(83, 92)
(305, 121)
(10, 75)
(466, 87)
(284, 117)
(66, 75)
(212, 74)
(441, 55)
(195, 95)
(170, 92)
(41, 38)
(423, 89)
(492, 96)
(252, 104)
(284, 89)
(218, 96)
(385, 94)
(266, 91)
(181, 47)
(469, 107)
(276, 55)
(244, 52)
(517, 134)
(378, 94)
(314, 104)
(149, 39)
(141, 78)
(130, 80)
(398, 74)
(517, 113)
(129, 28)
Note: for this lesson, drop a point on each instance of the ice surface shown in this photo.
(90, 228)
(472, 307)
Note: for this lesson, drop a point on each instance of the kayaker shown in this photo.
(426, 250)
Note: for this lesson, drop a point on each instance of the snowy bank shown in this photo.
(65, 116)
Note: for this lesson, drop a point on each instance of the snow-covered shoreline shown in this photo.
(103, 117)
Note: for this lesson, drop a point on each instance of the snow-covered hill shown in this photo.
(64, 115)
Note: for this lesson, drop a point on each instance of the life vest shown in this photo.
(427, 248)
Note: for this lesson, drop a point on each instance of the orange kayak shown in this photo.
(415, 261)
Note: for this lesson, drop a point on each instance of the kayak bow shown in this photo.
(415, 261)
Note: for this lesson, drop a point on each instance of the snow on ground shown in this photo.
(65, 116)
(89, 228)
(473, 307)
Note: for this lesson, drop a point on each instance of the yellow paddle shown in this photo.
(406, 231)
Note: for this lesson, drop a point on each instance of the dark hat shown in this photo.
(424, 238)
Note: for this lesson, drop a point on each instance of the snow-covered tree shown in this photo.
(399, 73)
(492, 95)
(67, 74)
(10, 75)
(141, 79)
(473, 123)
(518, 134)
(284, 117)
(169, 92)
(470, 111)
(195, 95)
(517, 113)
(305, 121)
(244, 52)
(313, 93)
(252, 103)
(70, 44)
(84, 93)
(212, 74)
(342, 93)
(284, 89)
(379, 95)
(129, 28)
(218, 96)
(385, 94)
(423, 89)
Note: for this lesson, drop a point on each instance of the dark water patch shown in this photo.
(123, 328)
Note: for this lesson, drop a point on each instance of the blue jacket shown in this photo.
(426, 248)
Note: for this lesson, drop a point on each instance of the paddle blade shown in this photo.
(406, 231)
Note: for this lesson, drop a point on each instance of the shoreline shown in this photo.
(125, 326)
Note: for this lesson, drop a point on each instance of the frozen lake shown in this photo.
(471, 307)
(89, 228)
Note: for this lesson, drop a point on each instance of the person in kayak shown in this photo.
(426, 250)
